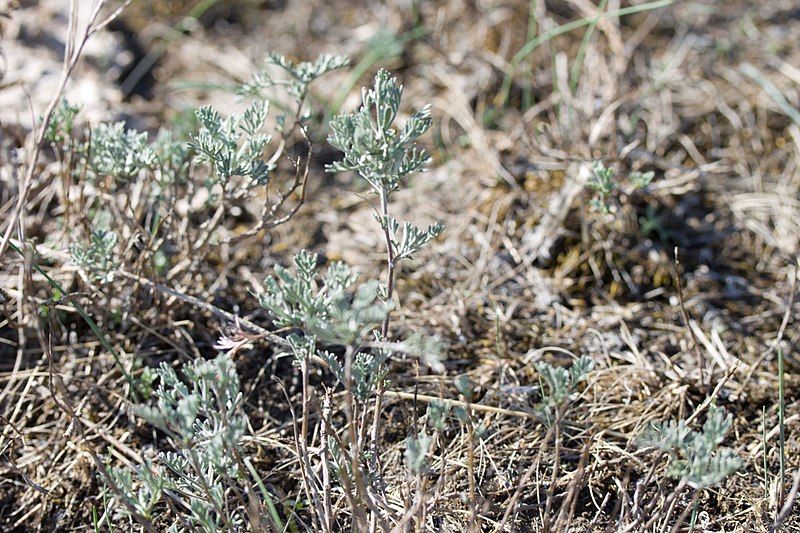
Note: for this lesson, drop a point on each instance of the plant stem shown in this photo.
(390, 266)
(781, 424)
(578, 65)
(686, 510)
(376, 415)
(764, 449)
(473, 504)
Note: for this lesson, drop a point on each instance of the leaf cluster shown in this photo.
(97, 256)
(560, 385)
(605, 183)
(201, 416)
(695, 457)
(300, 74)
(234, 146)
(328, 305)
(372, 146)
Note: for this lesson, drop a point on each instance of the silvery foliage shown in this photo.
(201, 415)
(231, 146)
(417, 447)
(437, 414)
(560, 385)
(367, 369)
(118, 152)
(380, 154)
(426, 347)
(62, 124)
(173, 159)
(383, 155)
(604, 182)
(97, 256)
(332, 308)
(417, 451)
(695, 457)
(142, 488)
(112, 150)
(640, 180)
(329, 306)
(234, 146)
(411, 238)
(300, 75)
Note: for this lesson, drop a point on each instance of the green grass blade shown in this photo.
(89, 322)
(273, 511)
(533, 27)
(577, 66)
(531, 45)
(772, 91)
(764, 450)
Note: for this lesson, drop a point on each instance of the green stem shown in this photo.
(781, 425)
(764, 450)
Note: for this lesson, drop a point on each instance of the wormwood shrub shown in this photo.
(208, 167)
(205, 472)
(560, 386)
(344, 325)
(695, 457)
(335, 323)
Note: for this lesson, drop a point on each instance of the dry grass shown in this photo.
(525, 271)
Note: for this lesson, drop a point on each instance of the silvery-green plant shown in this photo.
(332, 309)
(640, 180)
(98, 255)
(437, 414)
(300, 75)
(212, 166)
(140, 490)
(605, 183)
(695, 457)
(417, 447)
(372, 146)
(367, 371)
(328, 305)
(62, 125)
(204, 475)
(410, 238)
(560, 386)
(173, 159)
(118, 152)
(234, 146)
(383, 154)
